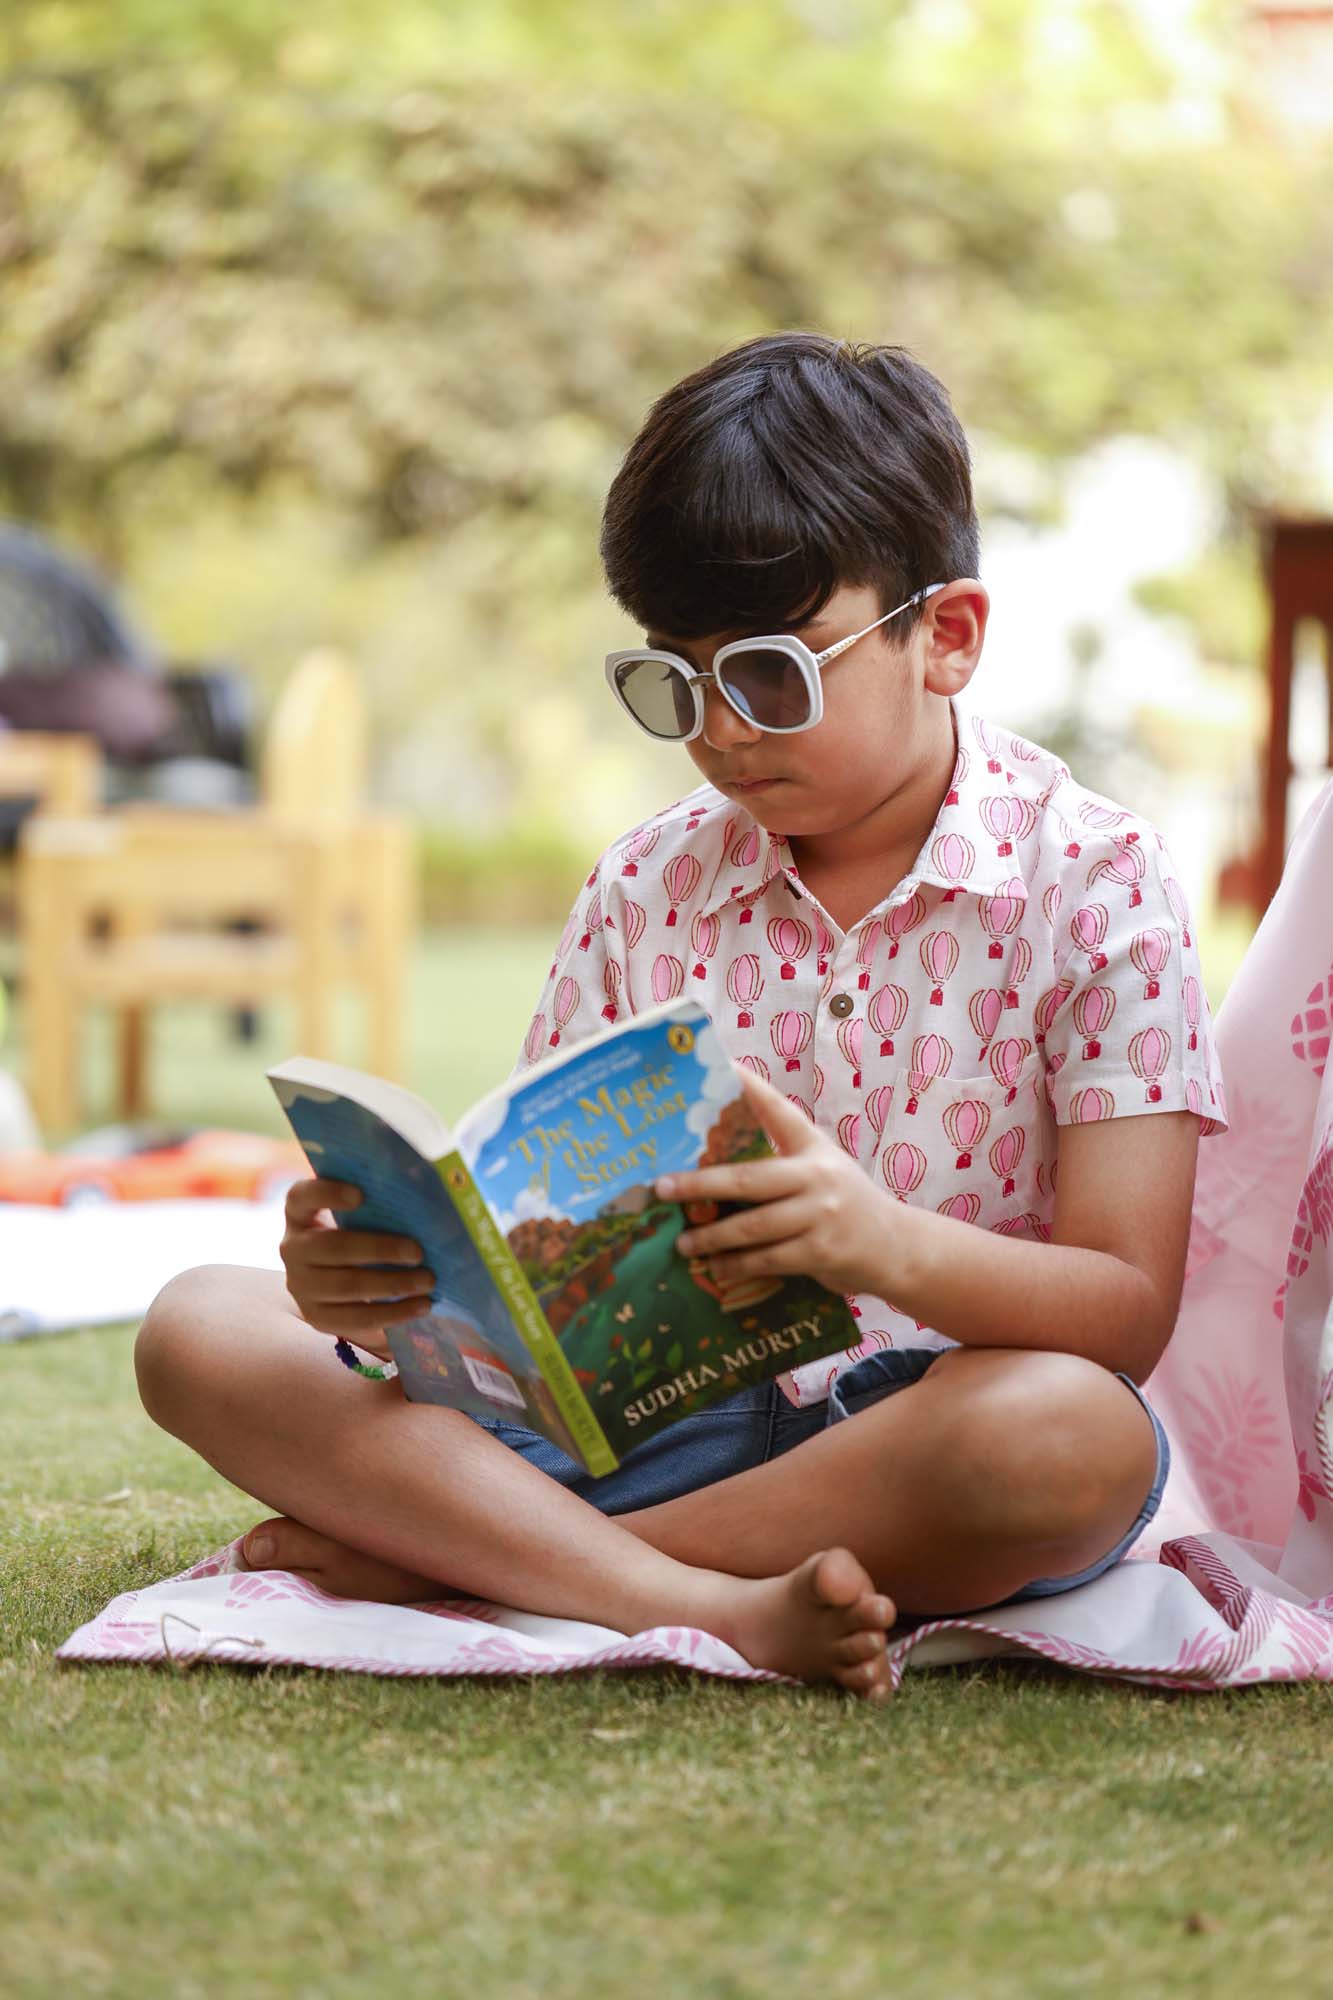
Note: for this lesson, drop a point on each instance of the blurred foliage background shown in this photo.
(331, 325)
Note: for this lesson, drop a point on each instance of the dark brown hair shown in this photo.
(791, 465)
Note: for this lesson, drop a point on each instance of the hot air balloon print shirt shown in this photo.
(1036, 968)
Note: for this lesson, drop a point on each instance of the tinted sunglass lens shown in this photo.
(658, 697)
(768, 688)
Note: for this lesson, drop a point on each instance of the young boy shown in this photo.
(974, 988)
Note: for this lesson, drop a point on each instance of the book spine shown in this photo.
(527, 1315)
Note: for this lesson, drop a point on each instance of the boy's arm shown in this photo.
(1108, 1283)
(1107, 1286)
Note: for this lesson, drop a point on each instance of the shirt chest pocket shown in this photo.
(977, 1148)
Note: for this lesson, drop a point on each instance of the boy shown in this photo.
(963, 972)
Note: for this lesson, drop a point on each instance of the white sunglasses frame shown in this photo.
(810, 665)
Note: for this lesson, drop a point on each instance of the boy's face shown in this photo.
(883, 711)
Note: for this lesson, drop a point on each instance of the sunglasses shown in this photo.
(772, 683)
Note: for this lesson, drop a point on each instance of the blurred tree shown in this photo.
(420, 279)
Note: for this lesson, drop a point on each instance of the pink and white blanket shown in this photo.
(1233, 1582)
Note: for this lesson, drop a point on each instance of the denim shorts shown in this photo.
(758, 1424)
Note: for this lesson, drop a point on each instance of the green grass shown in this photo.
(999, 1828)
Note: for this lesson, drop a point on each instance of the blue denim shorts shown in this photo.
(758, 1424)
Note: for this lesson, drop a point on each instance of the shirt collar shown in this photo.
(973, 845)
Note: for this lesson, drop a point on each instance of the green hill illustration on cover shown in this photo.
(561, 1302)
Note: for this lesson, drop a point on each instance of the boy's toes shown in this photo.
(859, 1647)
(283, 1544)
(867, 1678)
(838, 1581)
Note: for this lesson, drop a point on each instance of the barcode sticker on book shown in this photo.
(489, 1379)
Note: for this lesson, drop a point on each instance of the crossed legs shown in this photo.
(998, 1466)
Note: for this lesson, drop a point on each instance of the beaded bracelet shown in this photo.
(346, 1353)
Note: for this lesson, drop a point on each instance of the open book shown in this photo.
(561, 1302)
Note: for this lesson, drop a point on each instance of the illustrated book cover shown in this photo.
(561, 1302)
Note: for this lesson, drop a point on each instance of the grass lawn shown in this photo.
(1000, 1829)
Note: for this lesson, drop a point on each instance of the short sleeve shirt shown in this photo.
(1037, 967)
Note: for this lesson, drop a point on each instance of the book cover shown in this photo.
(561, 1302)
(566, 1159)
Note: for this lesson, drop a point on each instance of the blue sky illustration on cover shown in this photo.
(614, 1117)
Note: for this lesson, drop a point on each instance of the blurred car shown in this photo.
(121, 1164)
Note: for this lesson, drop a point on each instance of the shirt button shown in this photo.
(841, 1004)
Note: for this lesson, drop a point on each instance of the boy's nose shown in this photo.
(723, 728)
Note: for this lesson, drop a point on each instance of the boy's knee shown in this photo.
(171, 1344)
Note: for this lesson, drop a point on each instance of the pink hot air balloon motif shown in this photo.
(818, 1075)
(954, 858)
(960, 771)
(790, 940)
(668, 976)
(849, 1133)
(887, 1011)
(1020, 964)
(1126, 866)
(902, 918)
(680, 879)
(824, 943)
(1020, 1225)
(1149, 1054)
(1180, 909)
(938, 952)
(1086, 1107)
(867, 938)
(757, 1064)
(983, 1011)
(705, 934)
(745, 983)
(611, 988)
(931, 1059)
(566, 938)
(592, 919)
(534, 1042)
(1192, 999)
(635, 919)
(790, 1033)
(800, 1104)
(850, 1035)
(966, 1122)
(1148, 954)
(745, 850)
(961, 1207)
(1073, 847)
(1193, 1096)
(1006, 1062)
(991, 741)
(1049, 1005)
(1087, 927)
(1005, 1154)
(879, 1103)
(638, 846)
(1007, 818)
(904, 1168)
(999, 917)
(1103, 817)
(1051, 901)
(565, 1001)
(1093, 1012)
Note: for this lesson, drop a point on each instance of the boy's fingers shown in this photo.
(305, 1199)
(770, 1222)
(336, 1248)
(743, 1180)
(347, 1287)
(786, 1124)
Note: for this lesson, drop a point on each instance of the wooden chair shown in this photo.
(59, 773)
(294, 898)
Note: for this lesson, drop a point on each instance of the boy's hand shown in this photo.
(814, 1210)
(328, 1274)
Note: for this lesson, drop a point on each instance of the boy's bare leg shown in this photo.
(998, 1466)
(226, 1364)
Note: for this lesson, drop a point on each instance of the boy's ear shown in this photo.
(954, 630)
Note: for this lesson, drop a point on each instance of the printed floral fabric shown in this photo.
(1036, 968)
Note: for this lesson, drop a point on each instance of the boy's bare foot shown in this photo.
(344, 1572)
(823, 1621)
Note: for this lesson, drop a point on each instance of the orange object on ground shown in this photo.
(243, 1165)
